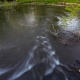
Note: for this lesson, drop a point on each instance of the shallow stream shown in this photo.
(28, 52)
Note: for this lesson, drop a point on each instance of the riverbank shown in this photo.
(48, 1)
(42, 2)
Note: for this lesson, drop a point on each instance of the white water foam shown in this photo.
(3, 71)
(50, 70)
(31, 61)
(60, 69)
(22, 69)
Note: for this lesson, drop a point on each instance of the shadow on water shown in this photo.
(27, 51)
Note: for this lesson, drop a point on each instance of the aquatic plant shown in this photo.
(7, 5)
(74, 14)
(74, 10)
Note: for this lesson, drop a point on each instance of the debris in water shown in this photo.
(64, 42)
(55, 34)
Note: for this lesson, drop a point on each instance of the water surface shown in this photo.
(27, 51)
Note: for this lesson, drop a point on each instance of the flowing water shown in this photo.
(27, 51)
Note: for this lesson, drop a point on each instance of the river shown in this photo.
(27, 51)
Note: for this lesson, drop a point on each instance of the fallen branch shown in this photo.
(52, 33)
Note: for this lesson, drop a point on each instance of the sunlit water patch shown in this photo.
(69, 24)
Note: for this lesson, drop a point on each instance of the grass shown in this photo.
(42, 1)
(11, 4)
(37, 1)
(49, 1)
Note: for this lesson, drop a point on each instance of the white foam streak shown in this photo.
(3, 71)
(49, 71)
(52, 53)
(31, 61)
(23, 68)
(60, 69)
(49, 47)
(41, 37)
(52, 66)
(49, 52)
(56, 61)
(35, 47)
(19, 73)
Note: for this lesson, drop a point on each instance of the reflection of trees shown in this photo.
(70, 22)
(74, 9)
(3, 23)
(25, 15)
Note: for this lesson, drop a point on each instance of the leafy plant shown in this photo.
(74, 13)
(74, 9)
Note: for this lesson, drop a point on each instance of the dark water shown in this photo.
(27, 51)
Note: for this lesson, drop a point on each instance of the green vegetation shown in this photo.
(36, 1)
(7, 5)
(49, 1)
(74, 13)
(74, 10)
(0, 3)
